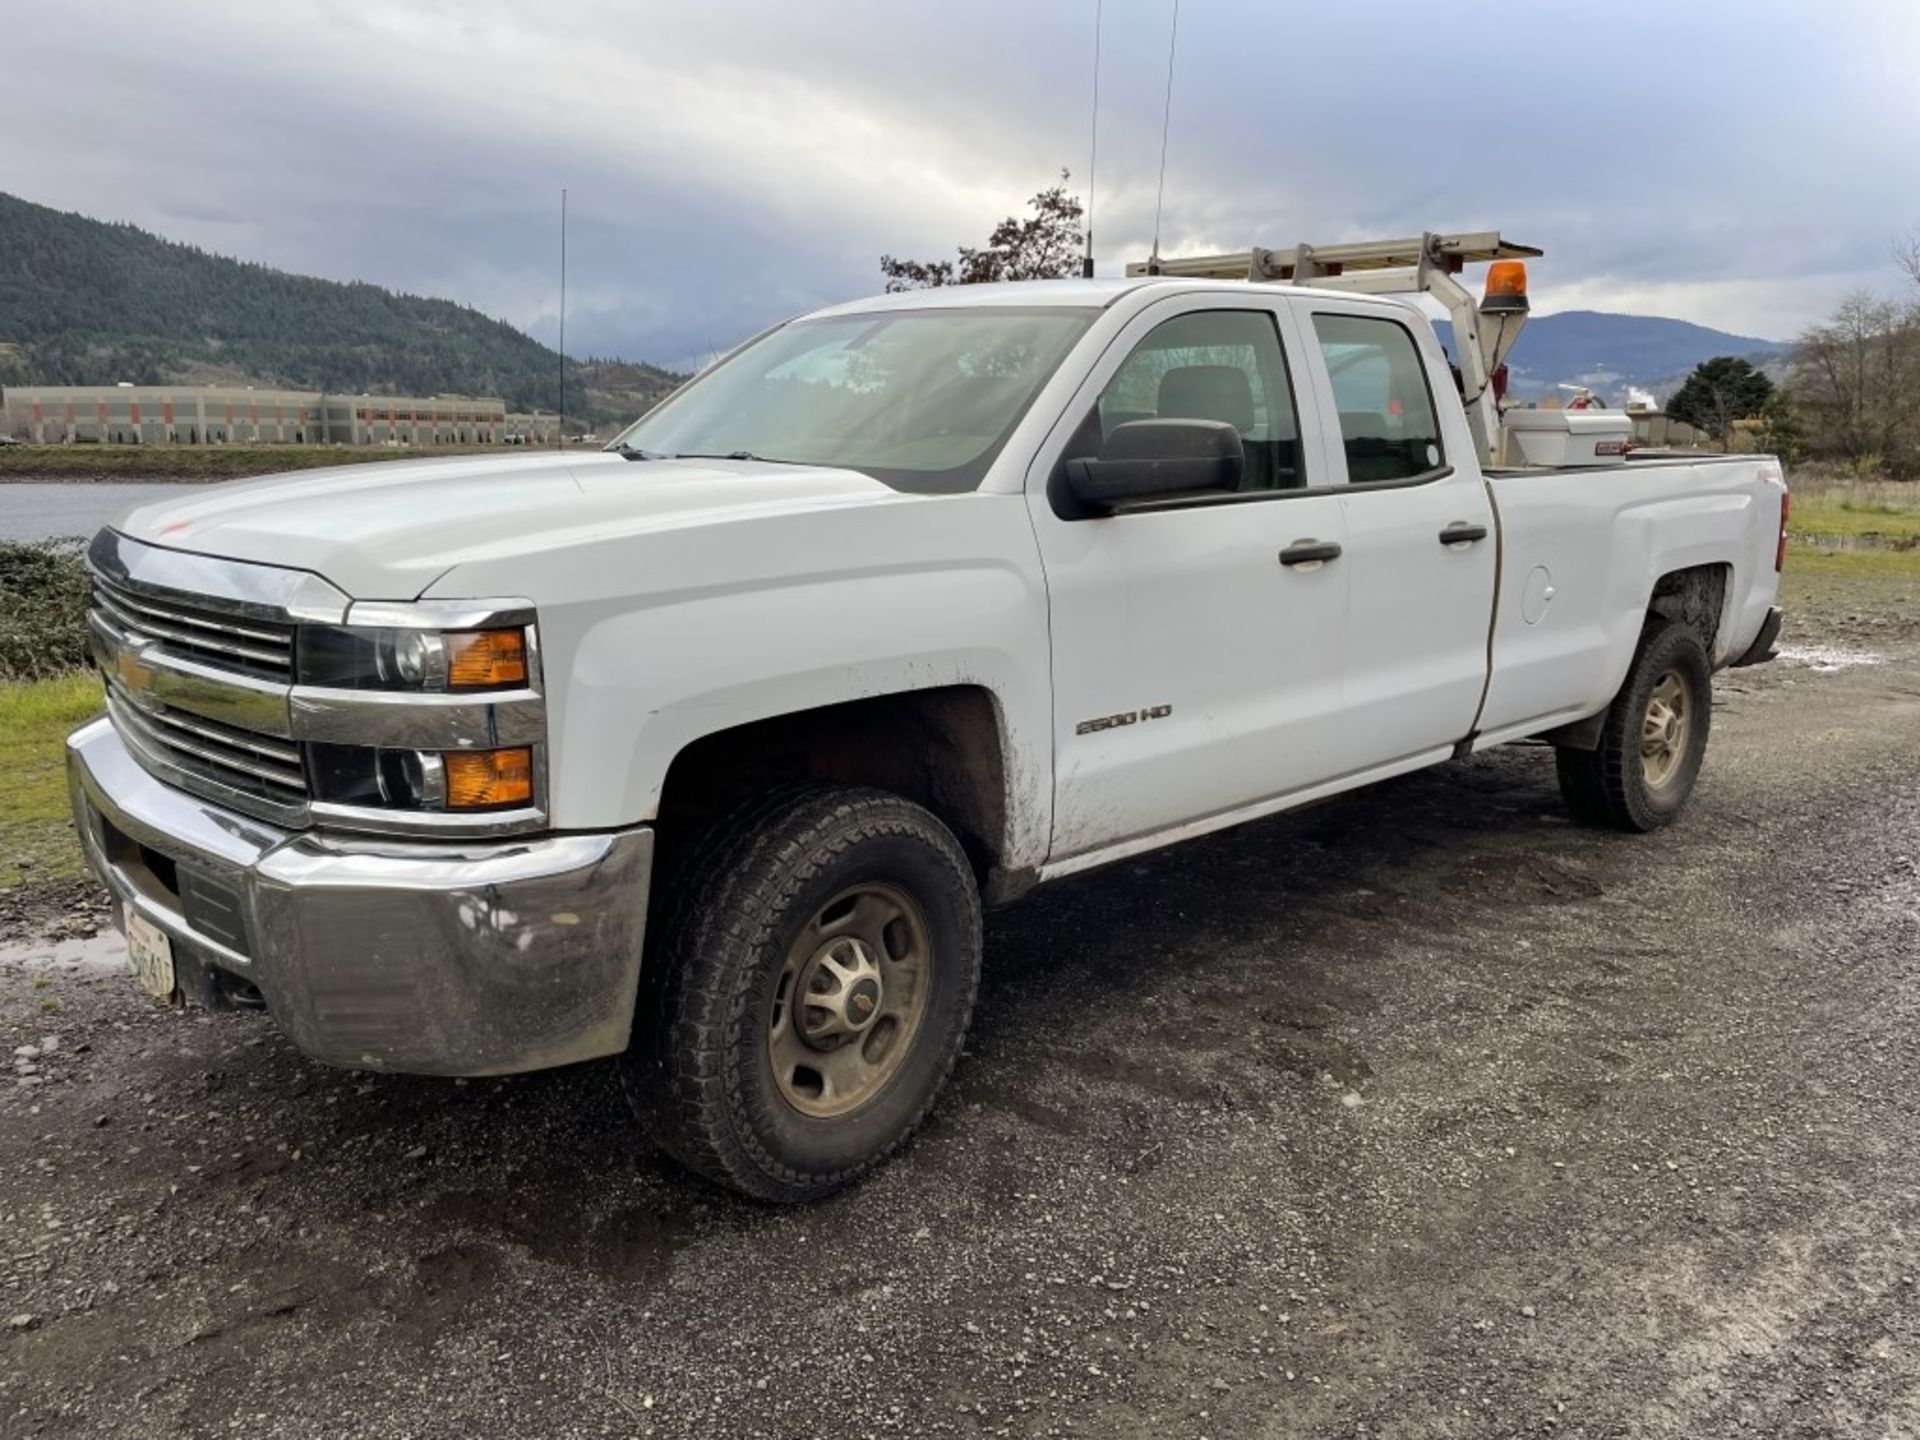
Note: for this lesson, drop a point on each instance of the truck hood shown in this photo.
(387, 530)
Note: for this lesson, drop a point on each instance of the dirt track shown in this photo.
(1420, 1114)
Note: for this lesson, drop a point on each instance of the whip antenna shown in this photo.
(560, 430)
(1093, 140)
(1166, 122)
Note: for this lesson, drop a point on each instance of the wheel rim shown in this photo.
(1665, 729)
(849, 1001)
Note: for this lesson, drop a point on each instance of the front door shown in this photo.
(1194, 671)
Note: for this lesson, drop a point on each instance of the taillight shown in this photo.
(1780, 551)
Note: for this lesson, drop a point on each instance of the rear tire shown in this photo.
(808, 992)
(1651, 747)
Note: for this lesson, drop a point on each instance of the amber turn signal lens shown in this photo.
(487, 657)
(479, 778)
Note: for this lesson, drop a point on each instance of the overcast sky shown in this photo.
(1742, 163)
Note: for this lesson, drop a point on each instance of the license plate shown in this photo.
(149, 955)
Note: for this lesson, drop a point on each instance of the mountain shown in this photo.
(1611, 354)
(84, 302)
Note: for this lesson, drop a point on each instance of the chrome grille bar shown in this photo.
(224, 756)
(287, 757)
(256, 644)
(181, 615)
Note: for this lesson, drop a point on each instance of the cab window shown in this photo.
(1224, 365)
(1387, 419)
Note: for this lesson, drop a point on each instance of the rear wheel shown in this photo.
(1655, 736)
(808, 993)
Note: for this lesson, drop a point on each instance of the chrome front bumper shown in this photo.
(448, 958)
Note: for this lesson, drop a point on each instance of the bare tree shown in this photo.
(1906, 254)
(1857, 379)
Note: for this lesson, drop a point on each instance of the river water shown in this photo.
(45, 512)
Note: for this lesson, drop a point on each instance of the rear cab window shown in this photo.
(1388, 425)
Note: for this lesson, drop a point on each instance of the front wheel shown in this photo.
(809, 992)
(1653, 742)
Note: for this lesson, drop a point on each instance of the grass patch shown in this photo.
(36, 824)
(1830, 514)
(1872, 582)
(1813, 562)
(203, 462)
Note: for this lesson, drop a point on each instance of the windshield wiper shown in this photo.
(634, 452)
(737, 455)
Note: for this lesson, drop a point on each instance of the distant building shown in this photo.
(530, 427)
(1656, 430)
(221, 415)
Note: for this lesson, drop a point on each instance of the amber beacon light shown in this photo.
(1506, 288)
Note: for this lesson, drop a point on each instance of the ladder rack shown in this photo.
(1303, 264)
(1419, 264)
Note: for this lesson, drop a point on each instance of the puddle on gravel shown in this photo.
(105, 951)
(1826, 659)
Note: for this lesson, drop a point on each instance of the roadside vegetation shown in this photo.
(43, 610)
(201, 462)
(44, 693)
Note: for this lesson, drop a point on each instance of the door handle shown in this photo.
(1309, 552)
(1462, 534)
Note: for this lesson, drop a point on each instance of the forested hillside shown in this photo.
(84, 302)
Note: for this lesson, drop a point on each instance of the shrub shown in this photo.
(43, 609)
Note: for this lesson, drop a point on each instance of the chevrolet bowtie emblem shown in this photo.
(134, 674)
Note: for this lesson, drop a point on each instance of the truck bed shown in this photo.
(1582, 548)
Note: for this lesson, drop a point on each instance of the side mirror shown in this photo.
(1159, 459)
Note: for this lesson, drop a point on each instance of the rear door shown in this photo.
(1421, 552)
(1195, 671)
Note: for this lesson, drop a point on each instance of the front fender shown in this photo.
(669, 638)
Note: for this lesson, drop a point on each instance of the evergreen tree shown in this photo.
(1719, 392)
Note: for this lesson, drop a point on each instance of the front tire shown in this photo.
(1640, 775)
(809, 993)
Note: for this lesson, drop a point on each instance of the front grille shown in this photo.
(258, 767)
(262, 648)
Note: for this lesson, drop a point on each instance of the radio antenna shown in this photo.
(560, 430)
(1093, 139)
(1166, 122)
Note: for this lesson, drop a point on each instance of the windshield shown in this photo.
(921, 400)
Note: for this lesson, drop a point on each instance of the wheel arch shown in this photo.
(1698, 596)
(944, 747)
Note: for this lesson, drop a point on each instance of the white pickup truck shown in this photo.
(707, 749)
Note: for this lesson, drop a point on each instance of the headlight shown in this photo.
(422, 780)
(419, 659)
(363, 658)
(448, 719)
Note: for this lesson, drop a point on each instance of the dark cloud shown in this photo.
(731, 163)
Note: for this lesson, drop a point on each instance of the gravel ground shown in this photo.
(1421, 1113)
